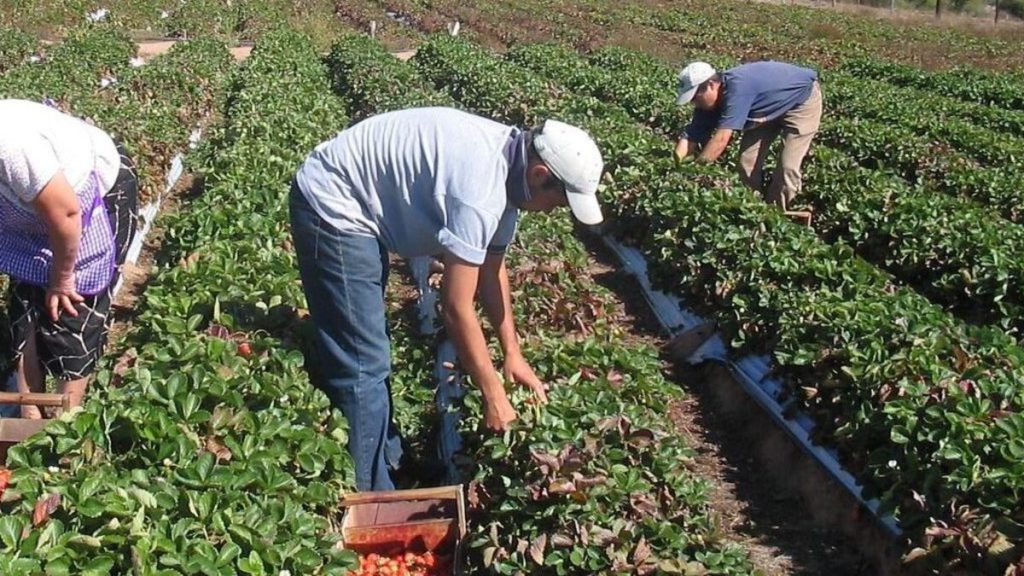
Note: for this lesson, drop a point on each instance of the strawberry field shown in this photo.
(893, 323)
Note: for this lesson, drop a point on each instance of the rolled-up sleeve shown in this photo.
(467, 232)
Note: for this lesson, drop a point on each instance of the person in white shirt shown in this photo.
(419, 182)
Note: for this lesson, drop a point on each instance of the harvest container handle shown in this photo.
(22, 398)
(436, 493)
(440, 492)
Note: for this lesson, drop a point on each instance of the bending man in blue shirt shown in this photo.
(429, 181)
(763, 100)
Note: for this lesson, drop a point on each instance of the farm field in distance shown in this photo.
(893, 322)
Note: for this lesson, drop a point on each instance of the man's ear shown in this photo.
(537, 174)
(540, 169)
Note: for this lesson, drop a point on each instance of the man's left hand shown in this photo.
(518, 370)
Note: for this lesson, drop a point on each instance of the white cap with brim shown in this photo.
(573, 157)
(690, 79)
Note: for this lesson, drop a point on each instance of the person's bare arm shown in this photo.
(58, 206)
(496, 299)
(458, 295)
(716, 145)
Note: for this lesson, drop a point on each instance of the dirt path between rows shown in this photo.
(151, 48)
(770, 498)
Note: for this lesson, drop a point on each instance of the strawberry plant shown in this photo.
(884, 392)
(191, 457)
(15, 47)
(950, 249)
(76, 66)
(978, 86)
(373, 81)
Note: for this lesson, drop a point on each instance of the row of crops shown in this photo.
(204, 450)
(922, 407)
(698, 27)
(238, 19)
(913, 205)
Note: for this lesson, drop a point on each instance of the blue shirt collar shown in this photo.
(516, 187)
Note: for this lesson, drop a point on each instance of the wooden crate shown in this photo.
(800, 216)
(391, 523)
(15, 430)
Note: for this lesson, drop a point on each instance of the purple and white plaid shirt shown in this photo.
(25, 252)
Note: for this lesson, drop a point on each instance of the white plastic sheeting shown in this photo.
(752, 372)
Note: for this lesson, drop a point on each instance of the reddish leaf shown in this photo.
(5, 479)
(218, 449)
(562, 541)
(124, 363)
(571, 459)
(641, 437)
(537, 548)
(561, 486)
(190, 260)
(642, 552)
(548, 463)
(218, 331)
(583, 482)
(603, 537)
(614, 378)
(643, 505)
(44, 507)
(473, 494)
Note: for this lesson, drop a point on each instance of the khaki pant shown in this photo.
(798, 127)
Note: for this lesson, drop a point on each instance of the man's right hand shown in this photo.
(499, 413)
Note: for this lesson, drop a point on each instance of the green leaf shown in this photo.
(10, 531)
(252, 565)
(144, 497)
(84, 541)
(99, 566)
(899, 435)
(228, 552)
(205, 465)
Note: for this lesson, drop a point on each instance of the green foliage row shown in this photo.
(194, 455)
(916, 402)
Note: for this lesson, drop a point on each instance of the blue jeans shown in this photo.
(344, 277)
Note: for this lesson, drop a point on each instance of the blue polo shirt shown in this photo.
(753, 94)
(424, 181)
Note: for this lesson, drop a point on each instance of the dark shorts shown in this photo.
(70, 347)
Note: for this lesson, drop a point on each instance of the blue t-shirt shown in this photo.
(424, 181)
(753, 94)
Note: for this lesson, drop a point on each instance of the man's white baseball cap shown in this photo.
(695, 74)
(573, 157)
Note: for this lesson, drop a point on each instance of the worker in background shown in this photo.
(763, 100)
